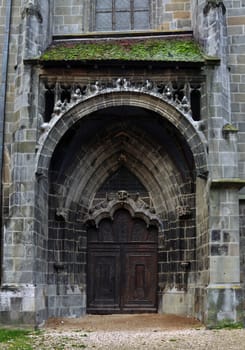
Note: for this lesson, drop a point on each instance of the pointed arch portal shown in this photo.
(120, 255)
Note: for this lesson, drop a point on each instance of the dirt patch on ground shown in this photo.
(134, 332)
(134, 322)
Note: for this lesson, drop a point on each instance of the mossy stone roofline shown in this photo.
(126, 50)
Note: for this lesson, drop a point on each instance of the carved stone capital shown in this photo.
(213, 4)
(183, 211)
(62, 213)
(31, 9)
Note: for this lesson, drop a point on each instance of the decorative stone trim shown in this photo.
(178, 97)
(229, 129)
(136, 206)
(164, 91)
(62, 213)
(212, 4)
(30, 9)
(53, 130)
(183, 211)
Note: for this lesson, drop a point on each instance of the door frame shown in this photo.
(122, 273)
(136, 211)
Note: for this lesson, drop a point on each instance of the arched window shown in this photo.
(122, 15)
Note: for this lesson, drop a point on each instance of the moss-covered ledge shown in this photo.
(229, 128)
(170, 50)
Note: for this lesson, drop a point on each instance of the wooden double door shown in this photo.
(122, 266)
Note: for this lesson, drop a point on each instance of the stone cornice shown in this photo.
(228, 183)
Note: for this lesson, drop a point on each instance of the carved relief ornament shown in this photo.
(178, 97)
(136, 207)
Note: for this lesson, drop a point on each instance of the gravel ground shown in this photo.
(128, 332)
(125, 340)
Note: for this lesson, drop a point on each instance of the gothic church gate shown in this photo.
(95, 92)
(117, 136)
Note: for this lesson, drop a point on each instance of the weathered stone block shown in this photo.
(224, 269)
(224, 304)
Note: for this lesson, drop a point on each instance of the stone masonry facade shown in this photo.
(163, 137)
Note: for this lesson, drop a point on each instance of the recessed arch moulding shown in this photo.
(81, 148)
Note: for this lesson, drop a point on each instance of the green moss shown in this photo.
(15, 339)
(139, 50)
(227, 324)
(229, 127)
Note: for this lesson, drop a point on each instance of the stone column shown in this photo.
(224, 293)
(22, 294)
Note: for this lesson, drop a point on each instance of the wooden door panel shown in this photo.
(140, 279)
(104, 274)
(139, 231)
(122, 225)
(122, 265)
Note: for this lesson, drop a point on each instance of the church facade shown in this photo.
(122, 159)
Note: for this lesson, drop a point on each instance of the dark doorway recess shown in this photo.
(122, 266)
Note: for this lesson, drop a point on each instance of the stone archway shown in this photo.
(59, 125)
(90, 150)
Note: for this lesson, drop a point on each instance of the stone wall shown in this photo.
(22, 239)
(202, 248)
(236, 61)
(44, 252)
(2, 28)
(242, 240)
(173, 15)
(224, 269)
(69, 16)
(74, 17)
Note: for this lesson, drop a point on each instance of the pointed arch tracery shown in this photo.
(59, 126)
(88, 143)
(98, 157)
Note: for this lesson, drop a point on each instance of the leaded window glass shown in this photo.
(122, 15)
